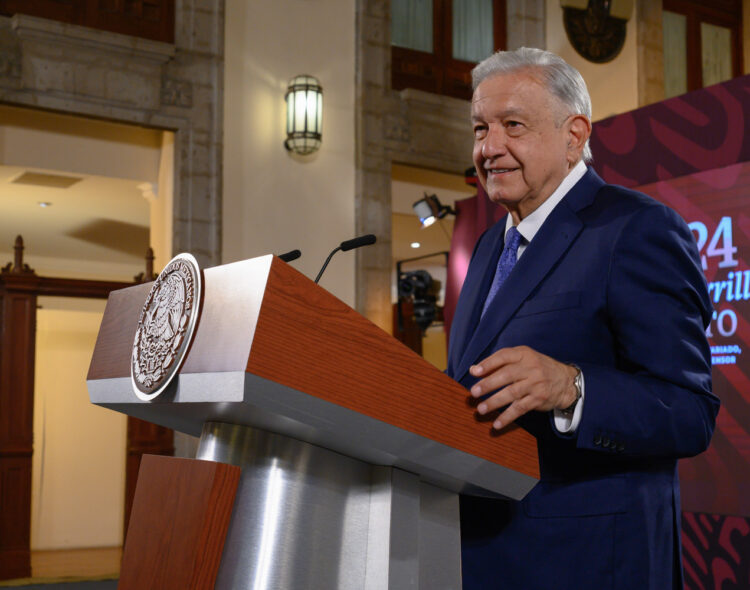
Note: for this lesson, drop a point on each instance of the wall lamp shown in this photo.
(429, 209)
(304, 115)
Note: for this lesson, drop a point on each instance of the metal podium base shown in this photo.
(309, 518)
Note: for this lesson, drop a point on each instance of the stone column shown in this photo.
(526, 23)
(650, 52)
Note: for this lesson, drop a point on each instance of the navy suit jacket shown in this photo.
(613, 283)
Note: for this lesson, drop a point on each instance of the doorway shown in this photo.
(89, 197)
(417, 249)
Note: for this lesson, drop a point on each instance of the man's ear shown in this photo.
(579, 130)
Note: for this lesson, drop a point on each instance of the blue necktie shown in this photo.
(506, 263)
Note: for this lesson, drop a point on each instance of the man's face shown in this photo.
(521, 141)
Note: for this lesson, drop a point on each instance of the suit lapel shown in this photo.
(551, 242)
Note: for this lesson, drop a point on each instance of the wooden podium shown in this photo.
(352, 447)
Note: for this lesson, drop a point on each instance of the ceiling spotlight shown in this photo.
(45, 204)
(429, 209)
(415, 244)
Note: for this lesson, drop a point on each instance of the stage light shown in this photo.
(429, 210)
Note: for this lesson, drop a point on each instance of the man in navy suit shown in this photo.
(582, 318)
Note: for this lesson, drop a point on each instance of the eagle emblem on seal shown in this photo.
(166, 326)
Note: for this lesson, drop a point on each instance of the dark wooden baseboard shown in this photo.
(15, 563)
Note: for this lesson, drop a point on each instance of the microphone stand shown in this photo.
(325, 264)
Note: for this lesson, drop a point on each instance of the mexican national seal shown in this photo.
(166, 326)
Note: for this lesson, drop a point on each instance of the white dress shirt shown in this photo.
(528, 228)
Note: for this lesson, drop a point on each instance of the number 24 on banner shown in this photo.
(720, 245)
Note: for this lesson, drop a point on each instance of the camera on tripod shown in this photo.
(423, 290)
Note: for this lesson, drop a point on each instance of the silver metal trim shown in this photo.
(245, 399)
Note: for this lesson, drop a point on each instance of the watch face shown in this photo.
(166, 327)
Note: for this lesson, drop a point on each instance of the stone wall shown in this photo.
(66, 68)
(526, 23)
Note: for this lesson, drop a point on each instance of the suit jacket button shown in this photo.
(597, 440)
(605, 442)
(620, 448)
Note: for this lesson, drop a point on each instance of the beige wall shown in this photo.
(613, 86)
(274, 202)
(78, 481)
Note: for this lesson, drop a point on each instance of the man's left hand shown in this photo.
(527, 380)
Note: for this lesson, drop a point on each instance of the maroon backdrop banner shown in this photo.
(702, 130)
(690, 152)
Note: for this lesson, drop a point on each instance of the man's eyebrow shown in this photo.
(509, 112)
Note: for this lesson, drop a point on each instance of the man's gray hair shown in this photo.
(561, 79)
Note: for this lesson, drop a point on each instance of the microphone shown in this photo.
(345, 246)
(365, 240)
(291, 255)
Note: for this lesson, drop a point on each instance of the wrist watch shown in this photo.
(578, 384)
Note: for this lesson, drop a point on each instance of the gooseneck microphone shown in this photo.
(365, 240)
(291, 255)
(345, 246)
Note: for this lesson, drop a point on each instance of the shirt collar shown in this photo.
(531, 224)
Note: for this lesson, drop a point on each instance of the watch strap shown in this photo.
(578, 384)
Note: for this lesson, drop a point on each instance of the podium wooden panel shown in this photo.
(179, 521)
